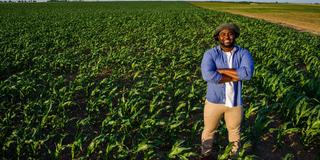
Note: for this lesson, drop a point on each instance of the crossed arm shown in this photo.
(228, 75)
(211, 73)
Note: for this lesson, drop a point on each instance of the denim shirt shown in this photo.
(214, 59)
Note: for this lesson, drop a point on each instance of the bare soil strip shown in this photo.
(284, 19)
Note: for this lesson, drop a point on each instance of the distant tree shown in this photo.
(57, 0)
(244, 2)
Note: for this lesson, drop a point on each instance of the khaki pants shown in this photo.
(212, 115)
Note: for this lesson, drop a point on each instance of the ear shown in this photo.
(216, 38)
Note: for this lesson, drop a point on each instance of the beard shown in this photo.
(228, 44)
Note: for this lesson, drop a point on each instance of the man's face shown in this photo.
(226, 38)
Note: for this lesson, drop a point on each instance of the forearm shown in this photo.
(225, 79)
(230, 73)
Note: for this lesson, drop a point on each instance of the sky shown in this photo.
(289, 1)
(280, 1)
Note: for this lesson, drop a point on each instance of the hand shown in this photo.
(230, 73)
(226, 78)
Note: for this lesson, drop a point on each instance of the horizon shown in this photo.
(253, 1)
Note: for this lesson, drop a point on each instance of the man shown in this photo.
(224, 67)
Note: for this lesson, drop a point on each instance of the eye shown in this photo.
(225, 34)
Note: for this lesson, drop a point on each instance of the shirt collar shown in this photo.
(235, 48)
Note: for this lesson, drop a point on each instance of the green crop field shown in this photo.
(122, 80)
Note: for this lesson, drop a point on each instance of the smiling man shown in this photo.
(224, 67)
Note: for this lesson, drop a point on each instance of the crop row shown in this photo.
(122, 80)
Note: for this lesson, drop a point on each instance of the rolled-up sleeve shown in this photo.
(245, 71)
(208, 69)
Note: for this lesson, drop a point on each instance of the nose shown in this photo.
(227, 35)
